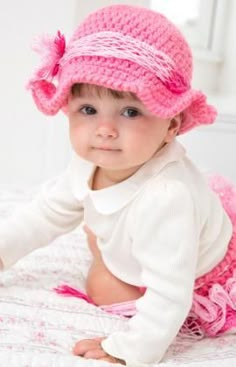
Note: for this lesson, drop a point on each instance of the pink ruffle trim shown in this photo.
(213, 311)
(214, 300)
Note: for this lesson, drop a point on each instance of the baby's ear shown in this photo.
(174, 127)
(175, 123)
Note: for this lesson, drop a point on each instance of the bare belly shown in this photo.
(104, 288)
(101, 285)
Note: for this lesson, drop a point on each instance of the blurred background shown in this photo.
(35, 148)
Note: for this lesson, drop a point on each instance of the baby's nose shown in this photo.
(107, 130)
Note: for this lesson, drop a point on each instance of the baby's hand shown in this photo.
(92, 349)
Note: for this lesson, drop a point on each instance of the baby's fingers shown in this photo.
(84, 346)
(95, 354)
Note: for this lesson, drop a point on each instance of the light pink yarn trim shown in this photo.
(120, 46)
(127, 309)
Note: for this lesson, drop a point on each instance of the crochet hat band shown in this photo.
(120, 46)
(125, 48)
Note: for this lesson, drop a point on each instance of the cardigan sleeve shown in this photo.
(53, 212)
(165, 243)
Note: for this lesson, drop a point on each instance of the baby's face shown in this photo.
(116, 134)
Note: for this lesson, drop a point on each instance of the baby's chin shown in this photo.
(113, 160)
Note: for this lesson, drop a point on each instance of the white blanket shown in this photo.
(38, 327)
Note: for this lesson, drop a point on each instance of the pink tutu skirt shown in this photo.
(213, 310)
(214, 301)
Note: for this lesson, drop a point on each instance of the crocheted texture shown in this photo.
(126, 48)
(120, 46)
(214, 302)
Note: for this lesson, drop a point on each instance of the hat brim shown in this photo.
(157, 98)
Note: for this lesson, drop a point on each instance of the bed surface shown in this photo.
(38, 327)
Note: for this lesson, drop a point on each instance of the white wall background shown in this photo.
(227, 77)
(214, 147)
(34, 147)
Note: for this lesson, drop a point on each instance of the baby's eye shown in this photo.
(131, 112)
(88, 110)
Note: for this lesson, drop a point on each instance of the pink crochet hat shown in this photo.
(126, 48)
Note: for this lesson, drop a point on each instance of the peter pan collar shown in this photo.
(113, 198)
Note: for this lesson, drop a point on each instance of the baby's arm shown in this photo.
(53, 212)
(166, 245)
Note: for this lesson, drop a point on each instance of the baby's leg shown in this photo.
(101, 285)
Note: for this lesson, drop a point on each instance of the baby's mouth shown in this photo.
(106, 148)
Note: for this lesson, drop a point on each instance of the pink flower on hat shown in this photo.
(51, 50)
